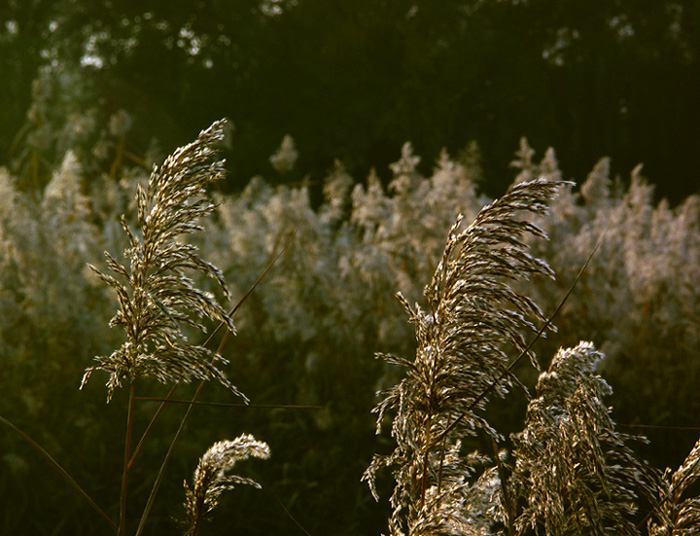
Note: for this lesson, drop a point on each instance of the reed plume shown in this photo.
(156, 295)
(474, 317)
(575, 473)
(211, 477)
(679, 514)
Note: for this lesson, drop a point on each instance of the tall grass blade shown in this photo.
(57, 466)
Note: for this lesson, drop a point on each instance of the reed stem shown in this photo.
(127, 464)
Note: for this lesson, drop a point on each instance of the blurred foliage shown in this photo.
(353, 79)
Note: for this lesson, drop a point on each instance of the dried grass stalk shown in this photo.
(155, 293)
(211, 477)
(474, 317)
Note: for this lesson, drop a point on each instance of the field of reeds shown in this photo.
(537, 341)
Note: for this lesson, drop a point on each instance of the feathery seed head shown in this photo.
(474, 315)
(156, 297)
(211, 477)
(574, 471)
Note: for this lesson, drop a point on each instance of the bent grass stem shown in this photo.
(127, 464)
(191, 403)
(59, 468)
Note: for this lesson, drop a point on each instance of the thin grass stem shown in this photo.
(166, 459)
(526, 351)
(507, 501)
(225, 404)
(245, 296)
(151, 423)
(127, 464)
(57, 466)
(286, 510)
(191, 403)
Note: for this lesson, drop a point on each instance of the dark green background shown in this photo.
(354, 79)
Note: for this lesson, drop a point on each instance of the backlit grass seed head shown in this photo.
(574, 472)
(156, 297)
(211, 478)
(679, 511)
(473, 316)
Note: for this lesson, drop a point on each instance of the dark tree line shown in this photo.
(354, 79)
